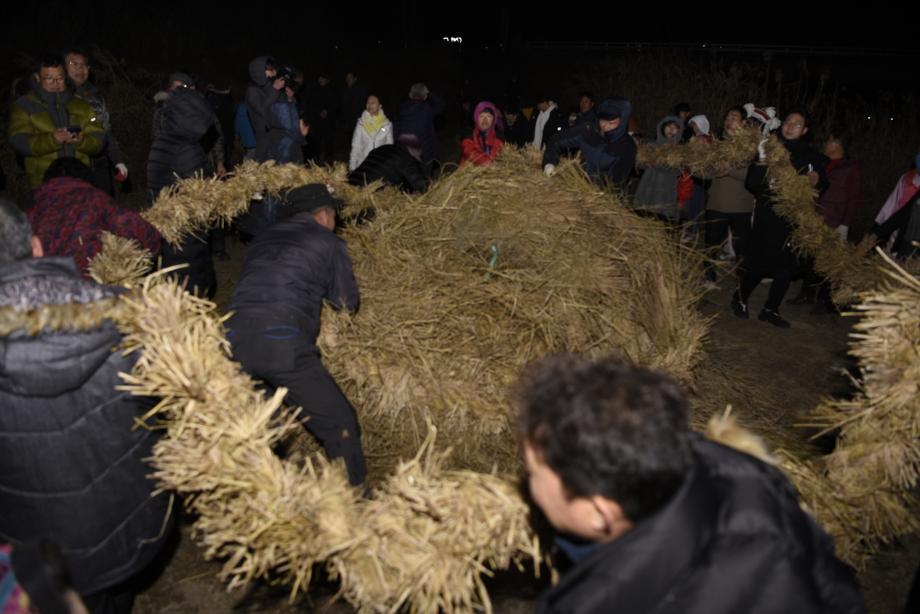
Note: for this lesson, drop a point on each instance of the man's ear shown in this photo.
(37, 77)
(610, 521)
(37, 250)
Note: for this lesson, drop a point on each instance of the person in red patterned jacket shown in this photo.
(69, 215)
(483, 145)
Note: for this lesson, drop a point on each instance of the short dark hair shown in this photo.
(738, 109)
(68, 167)
(799, 111)
(607, 428)
(586, 94)
(77, 51)
(49, 60)
(841, 136)
(15, 233)
(681, 107)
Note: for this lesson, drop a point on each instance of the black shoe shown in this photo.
(739, 307)
(773, 317)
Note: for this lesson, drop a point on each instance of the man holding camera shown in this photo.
(50, 122)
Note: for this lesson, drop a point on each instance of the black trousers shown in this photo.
(279, 352)
(781, 280)
(718, 224)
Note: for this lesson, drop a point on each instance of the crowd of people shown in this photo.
(649, 516)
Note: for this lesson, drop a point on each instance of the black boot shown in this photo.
(773, 317)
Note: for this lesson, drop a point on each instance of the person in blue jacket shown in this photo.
(608, 153)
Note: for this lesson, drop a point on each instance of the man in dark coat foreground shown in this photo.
(658, 519)
(72, 460)
(290, 269)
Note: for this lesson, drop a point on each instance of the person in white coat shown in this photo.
(372, 130)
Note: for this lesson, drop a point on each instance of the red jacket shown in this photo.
(840, 202)
(480, 151)
(69, 216)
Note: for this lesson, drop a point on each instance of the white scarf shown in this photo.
(542, 118)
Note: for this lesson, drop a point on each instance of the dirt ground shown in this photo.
(771, 377)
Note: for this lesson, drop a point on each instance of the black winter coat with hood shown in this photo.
(607, 156)
(260, 96)
(177, 148)
(72, 467)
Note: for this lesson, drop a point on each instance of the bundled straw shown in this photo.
(701, 158)
(424, 540)
(876, 465)
(120, 262)
(196, 204)
(847, 266)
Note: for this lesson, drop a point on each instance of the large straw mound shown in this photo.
(490, 269)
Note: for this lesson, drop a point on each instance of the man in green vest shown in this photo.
(49, 123)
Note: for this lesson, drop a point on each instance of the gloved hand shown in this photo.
(121, 171)
(549, 170)
(842, 231)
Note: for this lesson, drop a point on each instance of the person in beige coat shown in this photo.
(730, 204)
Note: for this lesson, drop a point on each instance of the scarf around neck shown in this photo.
(373, 123)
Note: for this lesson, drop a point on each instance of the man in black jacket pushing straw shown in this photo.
(290, 269)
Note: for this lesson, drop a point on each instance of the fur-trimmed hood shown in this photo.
(54, 333)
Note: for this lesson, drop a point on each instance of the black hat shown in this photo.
(182, 78)
(308, 198)
(609, 110)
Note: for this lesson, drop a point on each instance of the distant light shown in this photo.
(891, 119)
(868, 117)
(452, 39)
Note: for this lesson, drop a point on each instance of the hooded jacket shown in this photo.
(34, 118)
(363, 142)
(72, 466)
(260, 96)
(607, 156)
(657, 189)
(481, 148)
(177, 149)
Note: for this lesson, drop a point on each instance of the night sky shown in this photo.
(206, 35)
